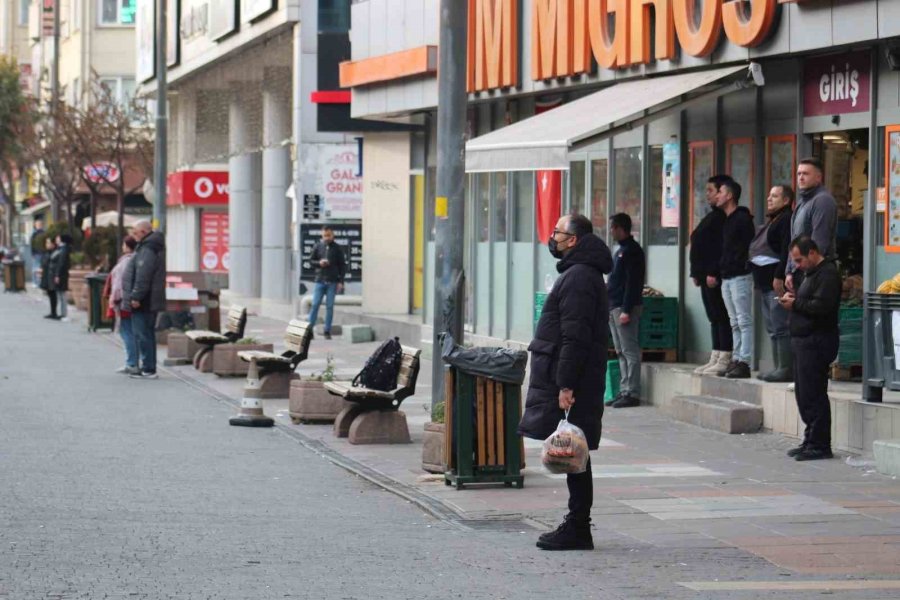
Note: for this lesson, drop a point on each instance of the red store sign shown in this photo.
(836, 84)
(197, 188)
(214, 244)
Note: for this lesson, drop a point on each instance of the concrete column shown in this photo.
(244, 204)
(276, 208)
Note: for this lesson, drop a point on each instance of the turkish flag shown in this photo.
(549, 197)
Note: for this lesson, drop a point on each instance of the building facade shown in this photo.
(659, 102)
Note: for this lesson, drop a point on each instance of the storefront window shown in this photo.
(523, 206)
(500, 198)
(702, 165)
(577, 187)
(334, 15)
(483, 205)
(599, 196)
(739, 164)
(659, 235)
(628, 186)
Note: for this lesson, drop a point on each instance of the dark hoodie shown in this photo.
(737, 234)
(145, 278)
(569, 349)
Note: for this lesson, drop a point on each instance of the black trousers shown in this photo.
(52, 295)
(581, 494)
(720, 324)
(813, 356)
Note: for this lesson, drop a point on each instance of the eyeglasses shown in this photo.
(555, 231)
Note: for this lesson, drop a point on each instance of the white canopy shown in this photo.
(111, 217)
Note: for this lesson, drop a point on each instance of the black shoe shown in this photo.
(327, 336)
(782, 375)
(570, 535)
(626, 402)
(730, 368)
(740, 371)
(795, 451)
(51, 317)
(811, 453)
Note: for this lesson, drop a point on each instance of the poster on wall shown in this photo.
(339, 182)
(892, 169)
(702, 167)
(145, 34)
(671, 178)
(214, 242)
(781, 156)
(739, 158)
(349, 236)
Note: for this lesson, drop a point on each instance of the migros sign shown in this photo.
(567, 34)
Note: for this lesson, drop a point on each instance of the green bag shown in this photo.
(612, 381)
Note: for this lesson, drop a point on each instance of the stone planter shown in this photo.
(310, 402)
(78, 288)
(225, 361)
(433, 448)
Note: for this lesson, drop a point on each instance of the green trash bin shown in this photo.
(613, 375)
(97, 304)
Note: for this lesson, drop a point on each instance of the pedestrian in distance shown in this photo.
(60, 263)
(768, 258)
(144, 290)
(706, 246)
(815, 339)
(815, 216)
(568, 364)
(331, 268)
(122, 313)
(735, 277)
(626, 287)
(46, 281)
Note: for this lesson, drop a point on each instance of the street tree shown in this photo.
(16, 120)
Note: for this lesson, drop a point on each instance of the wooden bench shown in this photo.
(373, 416)
(270, 374)
(235, 324)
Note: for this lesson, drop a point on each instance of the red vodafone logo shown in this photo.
(198, 188)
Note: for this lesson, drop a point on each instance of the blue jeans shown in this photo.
(144, 326)
(126, 331)
(778, 324)
(738, 295)
(328, 291)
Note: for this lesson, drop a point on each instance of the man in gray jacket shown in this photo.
(815, 216)
(144, 289)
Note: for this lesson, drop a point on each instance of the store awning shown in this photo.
(39, 207)
(545, 140)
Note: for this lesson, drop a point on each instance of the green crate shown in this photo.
(849, 314)
(660, 314)
(658, 340)
(613, 376)
(849, 357)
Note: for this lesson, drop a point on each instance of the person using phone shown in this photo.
(331, 268)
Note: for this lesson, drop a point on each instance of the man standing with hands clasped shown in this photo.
(144, 290)
(328, 258)
(814, 339)
(568, 364)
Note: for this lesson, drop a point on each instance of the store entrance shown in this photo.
(845, 155)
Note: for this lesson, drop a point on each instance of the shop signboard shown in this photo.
(339, 182)
(836, 84)
(214, 242)
(312, 207)
(101, 172)
(197, 188)
(671, 198)
(348, 235)
(145, 33)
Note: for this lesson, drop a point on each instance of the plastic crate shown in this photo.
(663, 340)
(850, 313)
(660, 314)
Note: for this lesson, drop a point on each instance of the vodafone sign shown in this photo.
(197, 188)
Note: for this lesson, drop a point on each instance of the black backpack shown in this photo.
(382, 368)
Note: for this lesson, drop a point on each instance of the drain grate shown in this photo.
(500, 525)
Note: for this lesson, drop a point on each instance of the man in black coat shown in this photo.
(815, 338)
(60, 263)
(144, 289)
(568, 364)
(331, 267)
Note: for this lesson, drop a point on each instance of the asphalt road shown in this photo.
(114, 488)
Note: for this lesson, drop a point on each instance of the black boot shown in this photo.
(775, 352)
(572, 534)
(784, 371)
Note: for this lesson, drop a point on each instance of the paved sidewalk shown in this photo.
(709, 509)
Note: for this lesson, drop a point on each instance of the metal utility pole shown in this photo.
(54, 90)
(449, 208)
(160, 165)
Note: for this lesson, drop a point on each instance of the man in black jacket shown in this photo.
(626, 287)
(568, 364)
(814, 338)
(144, 289)
(331, 268)
(60, 263)
(735, 277)
(706, 245)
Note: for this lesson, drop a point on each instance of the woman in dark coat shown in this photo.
(568, 363)
(46, 282)
(59, 271)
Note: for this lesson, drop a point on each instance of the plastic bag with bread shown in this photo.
(566, 450)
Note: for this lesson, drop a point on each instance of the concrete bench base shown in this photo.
(181, 350)
(718, 414)
(311, 403)
(203, 360)
(358, 334)
(887, 456)
(379, 427)
(345, 418)
(270, 385)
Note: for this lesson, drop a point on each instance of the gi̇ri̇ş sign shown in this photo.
(836, 84)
